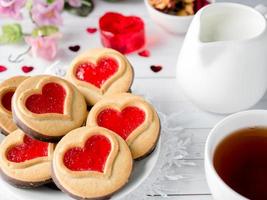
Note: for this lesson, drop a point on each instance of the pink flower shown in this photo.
(75, 3)
(47, 14)
(11, 8)
(44, 46)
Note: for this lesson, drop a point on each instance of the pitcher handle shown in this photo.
(262, 9)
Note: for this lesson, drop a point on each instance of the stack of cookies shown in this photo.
(82, 132)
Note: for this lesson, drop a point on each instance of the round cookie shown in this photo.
(131, 117)
(24, 161)
(48, 107)
(91, 163)
(100, 72)
(7, 89)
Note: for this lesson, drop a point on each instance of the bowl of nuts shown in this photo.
(174, 16)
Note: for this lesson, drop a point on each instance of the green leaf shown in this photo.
(44, 31)
(29, 4)
(50, 1)
(83, 11)
(11, 33)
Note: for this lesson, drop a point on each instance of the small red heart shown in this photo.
(27, 69)
(122, 33)
(28, 150)
(198, 4)
(6, 100)
(91, 30)
(156, 68)
(144, 53)
(122, 123)
(2, 68)
(99, 73)
(74, 48)
(92, 157)
(50, 101)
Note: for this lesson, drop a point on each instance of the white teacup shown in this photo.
(251, 118)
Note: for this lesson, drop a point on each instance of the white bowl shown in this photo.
(171, 23)
(219, 189)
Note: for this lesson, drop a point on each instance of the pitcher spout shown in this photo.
(225, 23)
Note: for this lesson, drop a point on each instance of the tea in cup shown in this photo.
(236, 157)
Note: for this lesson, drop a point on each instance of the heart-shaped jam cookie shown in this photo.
(46, 107)
(28, 150)
(50, 101)
(94, 158)
(24, 161)
(121, 122)
(122, 33)
(100, 72)
(7, 90)
(97, 74)
(132, 118)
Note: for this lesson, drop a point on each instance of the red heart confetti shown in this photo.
(198, 4)
(92, 157)
(122, 123)
(156, 68)
(91, 30)
(2, 68)
(99, 73)
(74, 48)
(27, 69)
(50, 101)
(28, 150)
(144, 53)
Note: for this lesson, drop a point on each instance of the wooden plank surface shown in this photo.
(169, 99)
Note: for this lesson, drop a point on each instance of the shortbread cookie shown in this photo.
(47, 107)
(100, 72)
(7, 89)
(131, 117)
(91, 163)
(24, 161)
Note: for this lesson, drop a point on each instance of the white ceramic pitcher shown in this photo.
(222, 66)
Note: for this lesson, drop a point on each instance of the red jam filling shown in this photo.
(50, 101)
(6, 100)
(124, 122)
(92, 157)
(28, 150)
(99, 73)
(122, 33)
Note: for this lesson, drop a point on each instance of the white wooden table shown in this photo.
(160, 87)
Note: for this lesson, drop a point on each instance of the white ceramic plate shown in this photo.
(7, 192)
(141, 171)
